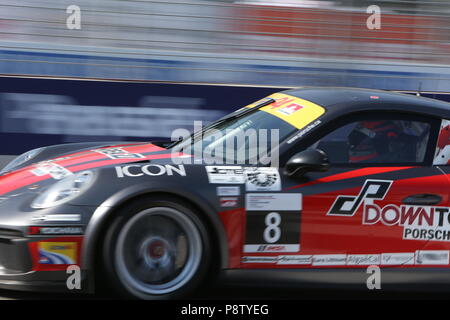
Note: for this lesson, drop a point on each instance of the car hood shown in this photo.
(62, 164)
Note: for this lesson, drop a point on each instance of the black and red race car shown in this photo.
(352, 178)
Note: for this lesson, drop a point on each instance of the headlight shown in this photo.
(64, 190)
(22, 159)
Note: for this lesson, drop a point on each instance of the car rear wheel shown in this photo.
(156, 250)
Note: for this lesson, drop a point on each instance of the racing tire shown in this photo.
(156, 249)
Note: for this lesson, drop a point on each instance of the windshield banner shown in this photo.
(295, 111)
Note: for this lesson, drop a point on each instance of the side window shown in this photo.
(377, 141)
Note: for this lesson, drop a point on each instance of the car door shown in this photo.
(380, 202)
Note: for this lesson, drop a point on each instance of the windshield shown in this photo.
(249, 135)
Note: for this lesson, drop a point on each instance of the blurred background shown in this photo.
(139, 69)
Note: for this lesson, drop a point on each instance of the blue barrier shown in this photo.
(38, 112)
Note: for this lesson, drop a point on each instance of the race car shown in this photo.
(313, 186)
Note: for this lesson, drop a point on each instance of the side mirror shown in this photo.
(307, 161)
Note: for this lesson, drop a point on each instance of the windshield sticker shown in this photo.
(295, 111)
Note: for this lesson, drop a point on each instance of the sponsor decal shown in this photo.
(228, 191)
(255, 179)
(118, 153)
(54, 170)
(290, 109)
(432, 257)
(225, 174)
(282, 260)
(273, 222)
(295, 259)
(57, 252)
(348, 205)
(57, 217)
(272, 248)
(52, 230)
(259, 259)
(136, 170)
(228, 202)
(424, 257)
(363, 259)
(329, 260)
(424, 234)
(273, 201)
(418, 222)
(304, 131)
(262, 179)
(397, 258)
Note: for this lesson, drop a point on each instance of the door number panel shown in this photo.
(273, 222)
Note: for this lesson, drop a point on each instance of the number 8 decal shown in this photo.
(272, 222)
(272, 232)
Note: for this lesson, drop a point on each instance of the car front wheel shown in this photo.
(156, 250)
